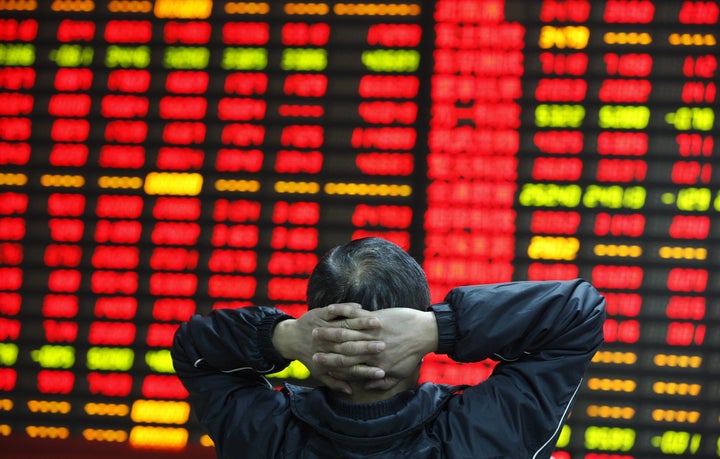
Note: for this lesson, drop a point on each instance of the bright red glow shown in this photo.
(294, 238)
(291, 263)
(631, 225)
(16, 78)
(559, 142)
(395, 35)
(623, 304)
(115, 257)
(565, 11)
(124, 31)
(296, 162)
(177, 309)
(621, 170)
(17, 154)
(12, 229)
(184, 133)
(691, 173)
(9, 329)
(187, 82)
(554, 222)
(698, 13)
(248, 84)
(685, 334)
(390, 87)
(625, 90)
(68, 79)
(111, 333)
(302, 136)
(305, 85)
(469, 191)
(383, 215)
(69, 154)
(132, 81)
(287, 289)
(55, 381)
(695, 145)
(122, 156)
(700, 66)
(236, 211)
(167, 208)
(241, 109)
(617, 277)
(385, 163)
(60, 306)
(70, 30)
(444, 371)
(297, 213)
(231, 261)
(68, 256)
(698, 92)
(189, 33)
(182, 108)
(622, 331)
(180, 158)
(20, 129)
(245, 33)
(114, 282)
(118, 307)
(57, 331)
(110, 384)
(243, 135)
(623, 143)
(115, 206)
(10, 303)
(13, 203)
(10, 278)
(126, 131)
(173, 284)
(164, 387)
(487, 62)
(66, 205)
(563, 169)
(118, 232)
(635, 12)
(561, 90)
(18, 30)
(686, 308)
(175, 233)
(628, 65)
(467, 88)
(14, 104)
(241, 236)
(8, 378)
(233, 160)
(563, 64)
(173, 259)
(230, 286)
(384, 138)
(124, 106)
(384, 112)
(687, 280)
(302, 34)
(301, 111)
(10, 253)
(690, 227)
(60, 280)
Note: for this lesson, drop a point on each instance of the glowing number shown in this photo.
(244, 59)
(303, 59)
(624, 117)
(391, 60)
(694, 199)
(553, 248)
(127, 56)
(686, 118)
(609, 438)
(17, 54)
(109, 358)
(677, 443)
(573, 37)
(564, 116)
(550, 195)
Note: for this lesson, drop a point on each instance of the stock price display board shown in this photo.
(163, 158)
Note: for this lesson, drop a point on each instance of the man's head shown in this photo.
(372, 272)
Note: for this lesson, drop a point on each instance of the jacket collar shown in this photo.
(336, 418)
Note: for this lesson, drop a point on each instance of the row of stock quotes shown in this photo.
(160, 159)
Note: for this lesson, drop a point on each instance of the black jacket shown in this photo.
(543, 333)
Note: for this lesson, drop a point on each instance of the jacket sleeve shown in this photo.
(221, 359)
(544, 334)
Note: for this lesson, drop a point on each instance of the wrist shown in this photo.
(429, 330)
(283, 339)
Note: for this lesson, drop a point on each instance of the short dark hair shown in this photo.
(370, 271)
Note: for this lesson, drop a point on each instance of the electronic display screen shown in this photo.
(161, 158)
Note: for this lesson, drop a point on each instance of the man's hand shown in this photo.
(407, 334)
(299, 340)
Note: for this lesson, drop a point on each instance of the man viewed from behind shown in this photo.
(368, 326)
